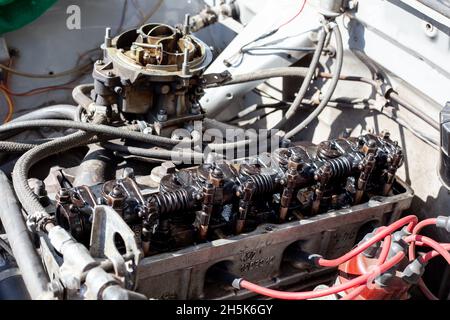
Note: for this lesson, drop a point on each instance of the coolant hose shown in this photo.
(28, 261)
(63, 112)
(334, 81)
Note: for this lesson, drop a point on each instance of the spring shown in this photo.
(340, 167)
(263, 183)
(170, 202)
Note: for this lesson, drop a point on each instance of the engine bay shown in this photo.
(142, 189)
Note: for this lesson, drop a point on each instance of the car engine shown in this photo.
(144, 190)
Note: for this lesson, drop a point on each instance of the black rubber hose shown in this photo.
(151, 153)
(332, 88)
(307, 81)
(25, 254)
(91, 128)
(63, 111)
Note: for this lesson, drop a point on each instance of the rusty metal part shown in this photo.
(395, 161)
(292, 177)
(154, 71)
(207, 210)
(366, 167)
(244, 205)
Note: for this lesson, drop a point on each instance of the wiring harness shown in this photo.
(396, 248)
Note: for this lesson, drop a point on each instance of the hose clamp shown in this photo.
(38, 220)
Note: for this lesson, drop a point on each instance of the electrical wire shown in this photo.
(417, 229)
(362, 279)
(381, 259)
(359, 283)
(37, 91)
(41, 90)
(412, 255)
(411, 221)
(294, 17)
(241, 52)
(306, 82)
(10, 104)
(69, 72)
(439, 248)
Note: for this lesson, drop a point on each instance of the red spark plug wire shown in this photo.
(359, 283)
(438, 248)
(412, 255)
(433, 254)
(381, 259)
(326, 292)
(416, 230)
(380, 235)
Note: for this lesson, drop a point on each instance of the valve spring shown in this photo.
(263, 183)
(170, 202)
(340, 167)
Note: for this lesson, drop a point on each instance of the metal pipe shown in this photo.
(413, 109)
(27, 259)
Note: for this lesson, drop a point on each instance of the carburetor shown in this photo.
(152, 74)
(224, 199)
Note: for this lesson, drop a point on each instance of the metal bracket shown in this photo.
(107, 228)
(214, 79)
